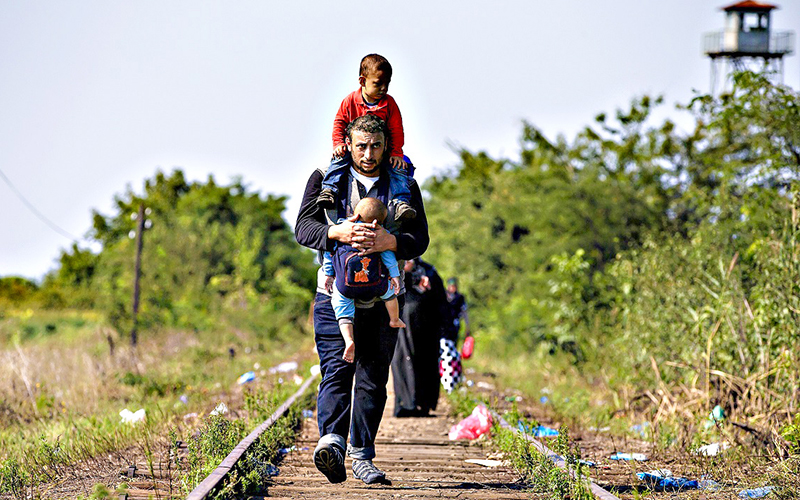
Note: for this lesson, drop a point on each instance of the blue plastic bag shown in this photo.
(246, 377)
(639, 457)
(756, 492)
(664, 481)
(538, 431)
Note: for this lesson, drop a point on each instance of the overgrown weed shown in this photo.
(462, 402)
(540, 471)
(219, 435)
(59, 403)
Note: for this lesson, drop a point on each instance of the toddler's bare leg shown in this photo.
(349, 343)
(393, 308)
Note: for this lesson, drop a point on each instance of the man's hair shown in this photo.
(370, 209)
(369, 124)
(375, 62)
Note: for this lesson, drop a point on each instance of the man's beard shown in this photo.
(362, 170)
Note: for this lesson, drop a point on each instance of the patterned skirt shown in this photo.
(449, 365)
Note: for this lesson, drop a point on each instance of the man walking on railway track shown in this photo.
(375, 339)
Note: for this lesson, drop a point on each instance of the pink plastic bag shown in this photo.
(473, 426)
(466, 349)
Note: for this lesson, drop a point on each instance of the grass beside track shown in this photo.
(541, 474)
(62, 388)
(219, 435)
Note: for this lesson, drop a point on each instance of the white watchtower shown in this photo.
(747, 41)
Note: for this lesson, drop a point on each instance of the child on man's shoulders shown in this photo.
(375, 73)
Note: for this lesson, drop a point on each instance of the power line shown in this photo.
(37, 213)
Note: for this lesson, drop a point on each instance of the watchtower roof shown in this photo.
(750, 6)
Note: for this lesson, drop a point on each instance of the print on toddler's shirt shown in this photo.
(362, 276)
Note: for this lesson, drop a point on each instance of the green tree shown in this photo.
(499, 224)
(16, 291)
(211, 252)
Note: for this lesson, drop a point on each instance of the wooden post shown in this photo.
(137, 272)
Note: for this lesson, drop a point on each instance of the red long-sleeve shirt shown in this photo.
(386, 109)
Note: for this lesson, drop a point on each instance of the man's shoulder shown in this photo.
(318, 174)
(414, 187)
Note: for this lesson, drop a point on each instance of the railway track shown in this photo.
(417, 457)
(415, 453)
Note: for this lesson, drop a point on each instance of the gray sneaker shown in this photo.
(329, 459)
(327, 198)
(366, 471)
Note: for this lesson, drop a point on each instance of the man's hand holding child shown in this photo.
(366, 238)
(329, 283)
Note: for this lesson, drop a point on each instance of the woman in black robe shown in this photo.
(415, 367)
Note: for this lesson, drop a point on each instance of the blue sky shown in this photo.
(98, 95)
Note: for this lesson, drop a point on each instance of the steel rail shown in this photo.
(557, 459)
(212, 481)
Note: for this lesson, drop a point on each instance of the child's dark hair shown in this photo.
(370, 209)
(375, 62)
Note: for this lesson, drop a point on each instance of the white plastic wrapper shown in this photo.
(130, 417)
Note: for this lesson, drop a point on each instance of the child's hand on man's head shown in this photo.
(339, 151)
(398, 162)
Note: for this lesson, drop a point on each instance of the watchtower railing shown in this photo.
(755, 43)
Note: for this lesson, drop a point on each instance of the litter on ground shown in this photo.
(485, 463)
(709, 484)
(662, 479)
(716, 416)
(130, 417)
(246, 377)
(221, 409)
(756, 492)
(473, 426)
(538, 431)
(713, 449)
(286, 366)
(639, 457)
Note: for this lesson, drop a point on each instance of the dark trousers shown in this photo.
(375, 341)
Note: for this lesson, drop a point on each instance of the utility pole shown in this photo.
(137, 272)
